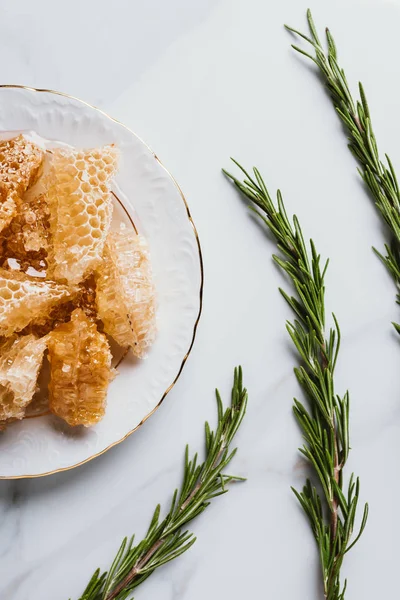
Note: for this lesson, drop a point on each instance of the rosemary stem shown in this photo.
(128, 579)
(378, 174)
(324, 418)
(334, 518)
(167, 539)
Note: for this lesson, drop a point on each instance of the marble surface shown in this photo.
(201, 80)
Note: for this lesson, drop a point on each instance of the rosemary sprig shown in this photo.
(166, 540)
(325, 422)
(379, 177)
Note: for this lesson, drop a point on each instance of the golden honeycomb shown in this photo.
(80, 205)
(26, 238)
(81, 297)
(66, 281)
(125, 295)
(8, 207)
(20, 162)
(80, 371)
(24, 298)
(20, 361)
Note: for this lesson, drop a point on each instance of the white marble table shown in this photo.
(201, 80)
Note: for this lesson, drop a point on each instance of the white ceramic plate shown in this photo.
(43, 445)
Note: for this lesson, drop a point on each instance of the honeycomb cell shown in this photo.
(24, 298)
(20, 162)
(125, 295)
(73, 198)
(80, 371)
(20, 361)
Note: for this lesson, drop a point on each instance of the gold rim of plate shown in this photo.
(169, 388)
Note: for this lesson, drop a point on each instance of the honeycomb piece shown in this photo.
(26, 238)
(125, 294)
(23, 298)
(80, 371)
(80, 203)
(20, 161)
(8, 207)
(20, 361)
(86, 297)
(83, 297)
(58, 314)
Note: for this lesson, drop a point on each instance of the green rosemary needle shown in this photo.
(167, 539)
(325, 420)
(355, 115)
